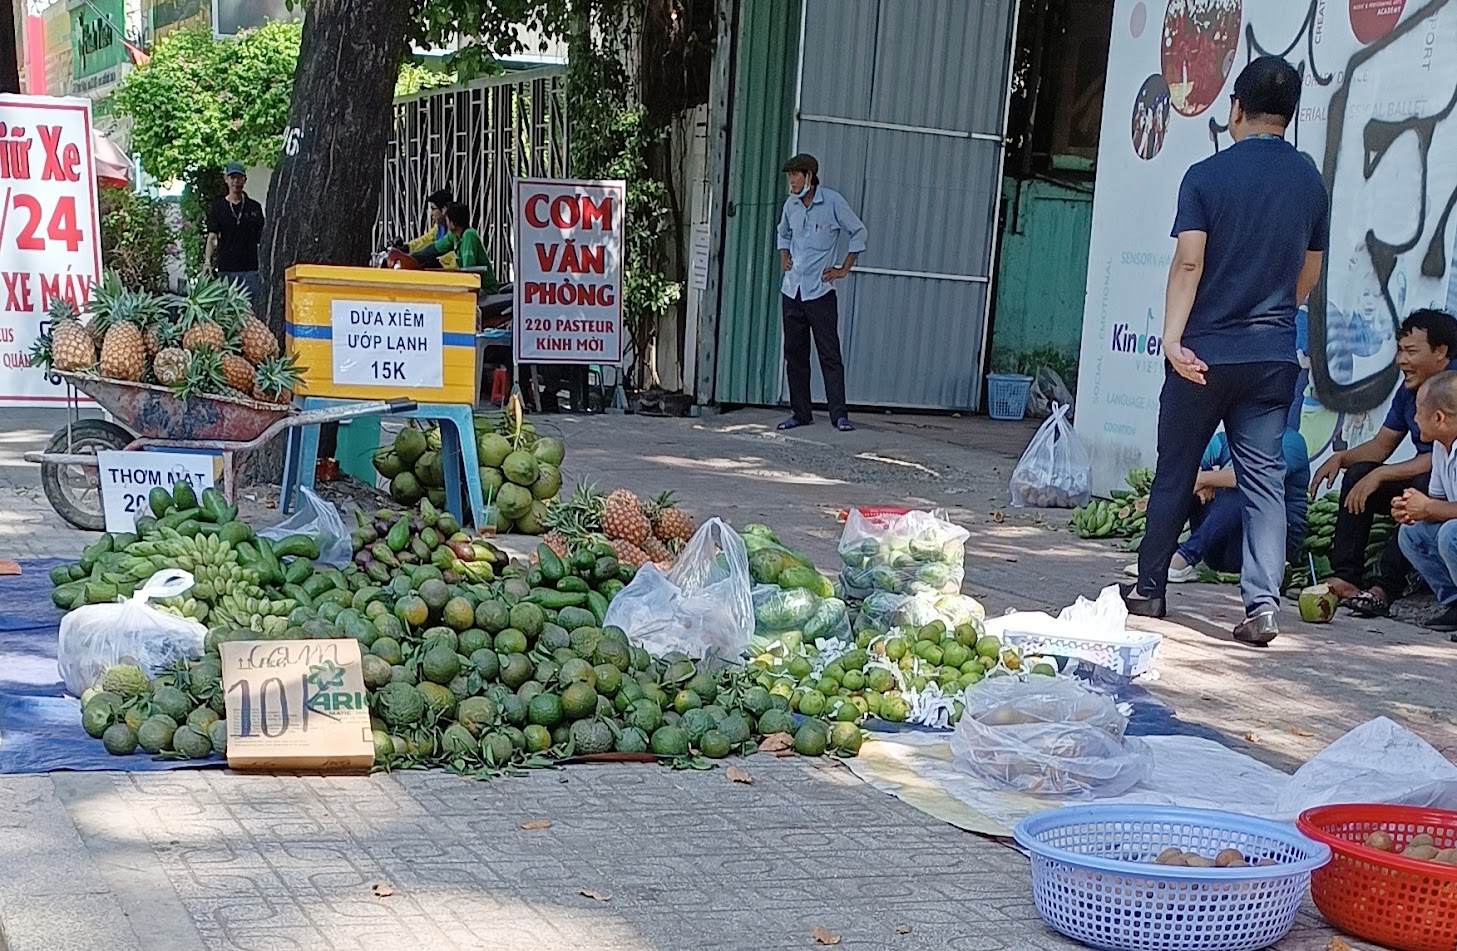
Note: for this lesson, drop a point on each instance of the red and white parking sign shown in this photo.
(569, 271)
(49, 241)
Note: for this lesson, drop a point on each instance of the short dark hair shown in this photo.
(1269, 88)
(441, 198)
(1440, 328)
(458, 214)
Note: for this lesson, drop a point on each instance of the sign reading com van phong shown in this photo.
(569, 271)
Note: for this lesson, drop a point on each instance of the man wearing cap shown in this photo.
(234, 228)
(814, 222)
(1252, 225)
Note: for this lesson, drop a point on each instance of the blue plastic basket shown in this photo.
(1093, 877)
(1007, 395)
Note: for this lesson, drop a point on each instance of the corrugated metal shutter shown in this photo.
(904, 104)
(749, 336)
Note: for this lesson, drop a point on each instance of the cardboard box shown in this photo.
(296, 705)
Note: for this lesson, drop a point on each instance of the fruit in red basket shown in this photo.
(1446, 857)
(1421, 838)
(1381, 840)
(1423, 853)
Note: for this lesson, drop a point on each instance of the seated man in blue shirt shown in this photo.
(1217, 530)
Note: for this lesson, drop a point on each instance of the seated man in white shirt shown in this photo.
(1428, 533)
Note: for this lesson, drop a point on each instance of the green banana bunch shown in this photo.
(1140, 480)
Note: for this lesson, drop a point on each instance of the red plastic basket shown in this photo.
(1401, 903)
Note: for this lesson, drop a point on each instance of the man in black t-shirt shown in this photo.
(234, 228)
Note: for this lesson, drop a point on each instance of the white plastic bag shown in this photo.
(779, 609)
(701, 607)
(914, 553)
(1378, 761)
(1050, 737)
(319, 520)
(100, 636)
(1048, 390)
(1054, 471)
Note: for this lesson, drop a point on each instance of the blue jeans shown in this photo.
(1217, 536)
(249, 280)
(1432, 550)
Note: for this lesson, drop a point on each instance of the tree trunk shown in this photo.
(9, 49)
(324, 196)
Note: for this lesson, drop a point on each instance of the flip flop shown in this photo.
(1367, 604)
(792, 423)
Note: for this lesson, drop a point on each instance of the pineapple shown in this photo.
(656, 551)
(576, 519)
(624, 518)
(71, 347)
(557, 542)
(206, 312)
(628, 553)
(162, 334)
(170, 365)
(123, 352)
(239, 373)
(276, 379)
(670, 523)
(257, 341)
(204, 375)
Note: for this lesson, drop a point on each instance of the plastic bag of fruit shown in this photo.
(701, 607)
(1048, 736)
(913, 553)
(1055, 470)
(97, 637)
(777, 610)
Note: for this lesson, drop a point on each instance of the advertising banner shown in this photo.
(49, 244)
(1376, 116)
(569, 271)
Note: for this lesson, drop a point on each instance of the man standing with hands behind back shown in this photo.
(1252, 225)
(810, 228)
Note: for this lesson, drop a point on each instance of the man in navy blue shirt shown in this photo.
(1252, 227)
(1424, 347)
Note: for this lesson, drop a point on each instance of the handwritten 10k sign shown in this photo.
(128, 477)
(384, 343)
(569, 271)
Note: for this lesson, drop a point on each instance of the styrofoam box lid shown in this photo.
(1038, 624)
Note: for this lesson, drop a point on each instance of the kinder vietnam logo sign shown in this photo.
(1138, 342)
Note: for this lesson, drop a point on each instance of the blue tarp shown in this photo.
(40, 727)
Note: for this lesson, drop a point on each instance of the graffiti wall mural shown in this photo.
(1376, 116)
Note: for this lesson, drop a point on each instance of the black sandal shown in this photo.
(1368, 604)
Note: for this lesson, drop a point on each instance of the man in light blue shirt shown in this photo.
(814, 222)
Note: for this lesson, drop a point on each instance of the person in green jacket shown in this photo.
(465, 241)
(436, 204)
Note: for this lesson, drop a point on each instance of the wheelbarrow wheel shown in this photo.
(74, 491)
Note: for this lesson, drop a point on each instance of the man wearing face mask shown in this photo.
(814, 221)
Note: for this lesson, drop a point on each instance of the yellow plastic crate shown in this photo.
(371, 333)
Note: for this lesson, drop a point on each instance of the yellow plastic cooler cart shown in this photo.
(370, 333)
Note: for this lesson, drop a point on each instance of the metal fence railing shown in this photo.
(476, 140)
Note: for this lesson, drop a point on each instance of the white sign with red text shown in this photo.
(569, 271)
(49, 230)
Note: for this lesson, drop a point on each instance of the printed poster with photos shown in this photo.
(1378, 116)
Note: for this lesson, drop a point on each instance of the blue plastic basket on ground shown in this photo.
(1007, 395)
(1094, 877)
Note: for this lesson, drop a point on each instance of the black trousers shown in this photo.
(819, 318)
(1252, 400)
(1353, 532)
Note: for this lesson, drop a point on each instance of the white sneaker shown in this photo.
(1176, 575)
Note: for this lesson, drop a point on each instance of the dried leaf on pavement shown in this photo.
(381, 890)
(737, 775)
(775, 742)
(823, 935)
(1338, 944)
(1253, 738)
(536, 824)
(596, 896)
(1300, 731)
